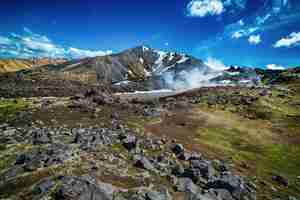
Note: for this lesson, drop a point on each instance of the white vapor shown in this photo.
(189, 79)
(254, 39)
(274, 67)
(196, 77)
(215, 64)
(30, 44)
(290, 41)
(202, 8)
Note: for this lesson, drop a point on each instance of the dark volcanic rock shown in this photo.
(186, 185)
(54, 154)
(158, 195)
(177, 148)
(143, 162)
(233, 184)
(202, 168)
(281, 180)
(81, 189)
(130, 142)
(41, 136)
(44, 186)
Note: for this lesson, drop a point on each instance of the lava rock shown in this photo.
(281, 180)
(81, 189)
(130, 142)
(186, 185)
(44, 186)
(203, 168)
(177, 148)
(41, 137)
(143, 162)
(233, 184)
(163, 194)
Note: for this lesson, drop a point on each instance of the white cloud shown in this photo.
(237, 34)
(241, 22)
(254, 39)
(30, 44)
(202, 8)
(243, 32)
(80, 53)
(215, 64)
(262, 19)
(290, 41)
(5, 40)
(275, 67)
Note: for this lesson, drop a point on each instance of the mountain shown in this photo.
(13, 65)
(143, 68)
(136, 64)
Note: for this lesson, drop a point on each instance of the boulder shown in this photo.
(281, 180)
(233, 184)
(81, 189)
(158, 195)
(177, 148)
(41, 137)
(129, 142)
(186, 185)
(143, 162)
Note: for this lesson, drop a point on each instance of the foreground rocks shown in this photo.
(62, 163)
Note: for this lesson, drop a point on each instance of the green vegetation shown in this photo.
(9, 109)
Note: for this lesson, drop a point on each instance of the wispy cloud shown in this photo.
(274, 67)
(202, 8)
(254, 39)
(243, 32)
(30, 44)
(5, 41)
(290, 41)
(78, 53)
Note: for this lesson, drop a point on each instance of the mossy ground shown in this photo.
(260, 139)
(9, 109)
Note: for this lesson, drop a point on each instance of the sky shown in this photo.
(255, 33)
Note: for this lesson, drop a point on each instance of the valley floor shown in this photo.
(255, 131)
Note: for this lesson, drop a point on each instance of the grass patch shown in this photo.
(9, 109)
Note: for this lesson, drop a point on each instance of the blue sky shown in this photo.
(242, 32)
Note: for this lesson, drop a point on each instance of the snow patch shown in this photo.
(145, 49)
(141, 60)
(123, 82)
(183, 59)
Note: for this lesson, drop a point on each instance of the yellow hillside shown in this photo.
(13, 65)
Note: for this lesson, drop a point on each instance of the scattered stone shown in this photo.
(41, 136)
(143, 162)
(177, 148)
(186, 185)
(233, 184)
(161, 195)
(44, 186)
(130, 142)
(81, 189)
(280, 180)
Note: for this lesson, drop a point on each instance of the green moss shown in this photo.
(9, 108)
(139, 122)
